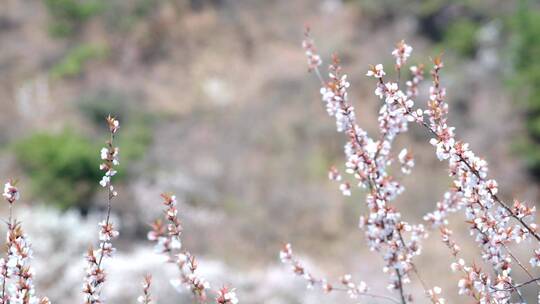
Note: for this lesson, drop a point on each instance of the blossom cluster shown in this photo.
(493, 223)
(189, 276)
(109, 155)
(145, 298)
(16, 271)
(95, 276)
(11, 194)
(286, 256)
(19, 268)
(406, 160)
(474, 282)
(402, 52)
(314, 60)
(166, 237)
(354, 290)
(226, 296)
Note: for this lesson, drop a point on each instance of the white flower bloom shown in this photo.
(11, 193)
(345, 189)
(402, 52)
(376, 71)
(231, 297)
(535, 260)
(105, 181)
(104, 153)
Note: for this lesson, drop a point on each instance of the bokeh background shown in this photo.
(216, 105)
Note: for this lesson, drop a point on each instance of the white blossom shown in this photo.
(376, 71)
(11, 193)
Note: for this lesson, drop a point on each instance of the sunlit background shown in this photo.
(216, 105)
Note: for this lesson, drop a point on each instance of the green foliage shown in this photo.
(76, 59)
(460, 37)
(67, 16)
(526, 34)
(63, 168)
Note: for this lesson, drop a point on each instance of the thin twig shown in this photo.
(369, 294)
(517, 285)
(401, 293)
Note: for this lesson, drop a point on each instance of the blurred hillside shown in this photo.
(217, 106)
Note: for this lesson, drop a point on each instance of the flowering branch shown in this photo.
(352, 289)
(16, 265)
(168, 242)
(145, 298)
(367, 161)
(10, 194)
(95, 275)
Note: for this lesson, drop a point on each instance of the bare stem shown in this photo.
(400, 280)
(369, 294)
(533, 280)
